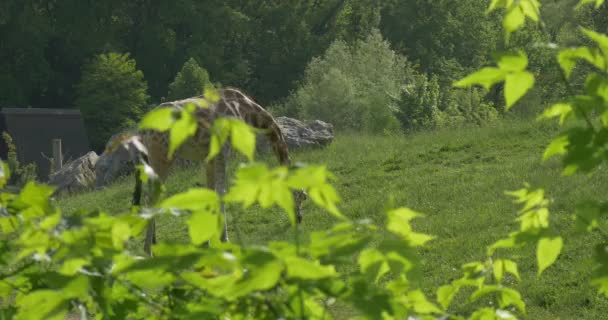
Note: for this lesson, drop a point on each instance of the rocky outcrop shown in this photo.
(77, 175)
(298, 134)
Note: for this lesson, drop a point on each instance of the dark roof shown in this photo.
(33, 129)
(41, 111)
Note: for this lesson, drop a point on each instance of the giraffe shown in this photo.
(232, 103)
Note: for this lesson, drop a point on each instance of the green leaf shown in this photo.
(121, 232)
(513, 20)
(373, 263)
(568, 58)
(421, 304)
(512, 62)
(566, 61)
(194, 199)
(160, 119)
(495, 4)
(485, 77)
(531, 9)
(445, 294)
(262, 271)
(48, 304)
(547, 252)
(219, 134)
(516, 86)
(558, 146)
(243, 138)
(299, 268)
(398, 222)
(36, 195)
(499, 268)
(510, 297)
(484, 291)
(5, 174)
(51, 221)
(511, 267)
(72, 266)
(561, 110)
(211, 94)
(202, 226)
(598, 3)
(600, 39)
(184, 128)
(151, 278)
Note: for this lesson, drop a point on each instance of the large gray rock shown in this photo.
(114, 164)
(298, 134)
(77, 175)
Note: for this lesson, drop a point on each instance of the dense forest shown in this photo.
(320, 59)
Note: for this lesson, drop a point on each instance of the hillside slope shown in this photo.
(457, 178)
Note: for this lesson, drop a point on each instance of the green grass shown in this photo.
(457, 178)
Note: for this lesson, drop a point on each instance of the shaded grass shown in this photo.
(457, 178)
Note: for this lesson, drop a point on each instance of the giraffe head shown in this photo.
(299, 196)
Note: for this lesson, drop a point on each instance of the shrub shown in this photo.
(20, 175)
(424, 104)
(466, 106)
(354, 86)
(111, 96)
(189, 81)
(419, 103)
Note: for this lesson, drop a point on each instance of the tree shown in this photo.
(354, 86)
(189, 81)
(111, 96)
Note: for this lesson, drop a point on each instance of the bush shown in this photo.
(354, 86)
(189, 81)
(19, 175)
(466, 106)
(419, 103)
(424, 104)
(111, 96)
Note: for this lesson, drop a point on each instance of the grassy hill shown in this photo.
(457, 178)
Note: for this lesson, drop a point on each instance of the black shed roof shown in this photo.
(33, 129)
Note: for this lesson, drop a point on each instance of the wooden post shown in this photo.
(57, 155)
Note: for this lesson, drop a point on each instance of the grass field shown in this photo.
(457, 178)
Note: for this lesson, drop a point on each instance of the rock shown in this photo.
(115, 164)
(77, 175)
(298, 134)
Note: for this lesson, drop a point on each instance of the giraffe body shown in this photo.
(232, 103)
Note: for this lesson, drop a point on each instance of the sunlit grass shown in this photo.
(456, 177)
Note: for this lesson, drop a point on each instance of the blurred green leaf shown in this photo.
(445, 294)
(184, 128)
(561, 110)
(373, 263)
(202, 226)
(299, 268)
(243, 138)
(421, 304)
(547, 252)
(516, 86)
(485, 77)
(160, 119)
(194, 199)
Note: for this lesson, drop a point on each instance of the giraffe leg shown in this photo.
(157, 155)
(210, 174)
(220, 186)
